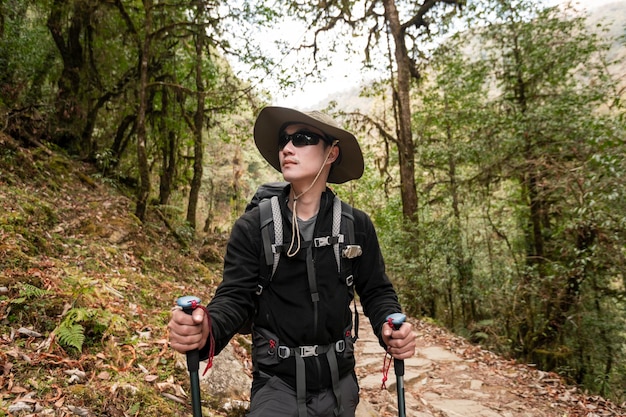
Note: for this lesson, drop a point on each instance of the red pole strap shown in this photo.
(194, 305)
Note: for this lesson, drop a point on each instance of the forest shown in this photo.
(494, 137)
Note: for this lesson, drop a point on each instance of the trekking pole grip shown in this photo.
(188, 303)
(396, 320)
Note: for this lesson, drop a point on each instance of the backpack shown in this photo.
(345, 249)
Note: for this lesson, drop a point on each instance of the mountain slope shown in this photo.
(78, 270)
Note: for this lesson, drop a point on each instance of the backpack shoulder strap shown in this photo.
(342, 233)
(336, 229)
(350, 250)
(348, 216)
(265, 212)
(269, 211)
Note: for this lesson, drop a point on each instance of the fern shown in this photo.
(30, 291)
(71, 335)
(95, 322)
(117, 323)
(77, 314)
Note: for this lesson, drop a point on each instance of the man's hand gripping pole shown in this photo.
(188, 303)
(396, 320)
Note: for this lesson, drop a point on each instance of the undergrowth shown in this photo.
(85, 295)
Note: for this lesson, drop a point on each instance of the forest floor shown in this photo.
(71, 251)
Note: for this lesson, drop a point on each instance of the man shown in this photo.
(303, 349)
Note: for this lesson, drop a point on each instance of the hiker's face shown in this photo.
(304, 159)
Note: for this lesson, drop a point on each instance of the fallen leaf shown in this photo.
(76, 373)
(78, 411)
(104, 375)
(28, 332)
(173, 397)
(20, 406)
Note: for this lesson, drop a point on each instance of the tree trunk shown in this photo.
(143, 191)
(461, 262)
(402, 97)
(168, 170)
(122, 139)
(208, 223)
(198, 146)
(65, 128)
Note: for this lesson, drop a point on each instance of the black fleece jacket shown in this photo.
(285, 306)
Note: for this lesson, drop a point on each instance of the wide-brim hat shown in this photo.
(272, 120)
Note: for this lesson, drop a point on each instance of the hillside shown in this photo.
(77, 270)
(72, 252)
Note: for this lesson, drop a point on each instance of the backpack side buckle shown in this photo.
(283, 352)
(350, 280)
(340, 346)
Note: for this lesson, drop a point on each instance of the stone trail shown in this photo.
(421, 372)
(448, 377)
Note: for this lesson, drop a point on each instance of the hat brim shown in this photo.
(272, 119)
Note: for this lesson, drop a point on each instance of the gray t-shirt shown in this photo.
(306, 227)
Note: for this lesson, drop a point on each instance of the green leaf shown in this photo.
(71, 335)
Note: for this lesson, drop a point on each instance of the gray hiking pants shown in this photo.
(277, 398)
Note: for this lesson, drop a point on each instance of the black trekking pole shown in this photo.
(396, 320)
(188, 303)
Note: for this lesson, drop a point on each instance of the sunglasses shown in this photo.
(299, 139)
